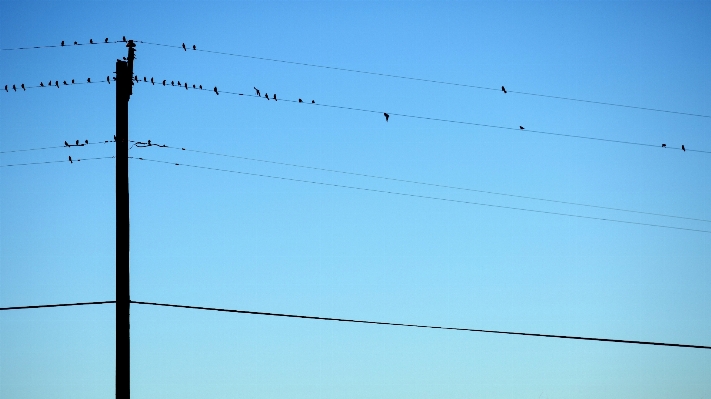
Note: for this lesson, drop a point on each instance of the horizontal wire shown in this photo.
(435, 81)
(383, 323)
(56, 305)
(18, 89)
(60, 46)
(65, 160)
(656, 146)
(430, 184)
(55, 147)
(425, 197)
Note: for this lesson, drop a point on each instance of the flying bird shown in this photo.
(683, 148)
(215, 90)
(66, 144)
(274, 97)
(184, 47)
(106, 40)
(70, 159)
(257, 90)
(62, 43)
(387, 116)
(300, 100)
(520, 127)
(664, 146)
(88, 80)
(91, 41)
(194, 48)
(503, 89)
(23, 87)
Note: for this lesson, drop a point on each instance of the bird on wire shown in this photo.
(313, 102)
(184, 47)
(300, 100)
(62, 43)
(91, 41)
(66, 144)
(503, 89)
(152, 82)
(194, 48)
(257, 90)
(683, 148)
(124, 39)
(387, 116)
(106, 40)
(200, 87)
(72, 81)
(77, 142)
(163, 82)
(56, 83)
(145, 80)
(520, 127)
(215, 90)
(41, 85)
(23, 87)
(664, 146)
(75, 43)
(15, 88)
(108, 79)
(88, 80)
(186, 86)
(86, 141)
(179, 83)
(136, 77)
(65, 83)
(6, 88)
(274, 97)
(193, 86)
(172, 83)
(70, 159)
(266, 95)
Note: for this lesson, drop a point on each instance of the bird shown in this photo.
(257, 90)
(503, 89)
(88, 80)
(274, 97)
(106, 40)
(108, 79)
(152, 82)
(194, 48)
(91, 41)
(300, 100)
(65, 83)
(77, 142)
(75, 43)
(163, 82)
(15, 89)
(66, 144)
(41, 85)
(144, 79)
(172, 83)
(23, 87)
(193, 86)
(520, 127)
(200, 87)
(387, 116)
(56, 83)
(86, 141)
(313, 102)
(114, 134)
(683, 148)
(186, 86)
(124, 39)
(215, 90)
(266, 95)
(664, 146)
(136, 77)
(62, 43)
(6, 88)
(179, 83)
(184, 47)
(149, 142)
(72, 81)
(70, 159)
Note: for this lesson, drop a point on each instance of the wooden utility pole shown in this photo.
(124, 82)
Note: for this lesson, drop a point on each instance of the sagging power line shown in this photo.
(70, 160)
(68, 44)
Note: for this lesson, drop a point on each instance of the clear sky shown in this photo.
(209, 238)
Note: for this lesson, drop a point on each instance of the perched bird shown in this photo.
(66, 144)
(683, 148)
(274, 97)
(149, 142)
(91, 41)
(136, 78)
(56, 83)
(152, 82)
(172, 83)
(194, 48)
(114, 134)
(300, 100)
(503, 89)
(77, 142)
(664, 146)
(266, 95)
(313, 102)
(386, 116)
(23, 86)
(72, 81)
(520, 127)
(179, 83)
(15, 89)
(200, 87)
(106, 40)
(193, 86)
(108, 79)
(6, 88)
(124, 39)
(75, 43)
(88, 80)
(62, 43)
(144, 79)
(86, 141)
(41, 85)
(215, 90)
(70, 159)
(186, 86)
(184, 47)
(257, 90)
(65, 83)
(163, 82)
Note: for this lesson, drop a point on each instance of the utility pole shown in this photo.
(124, 83)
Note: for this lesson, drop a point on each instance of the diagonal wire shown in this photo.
(46, 162)
(55, 147)
(59, 305)
(424, 196)
(384, 323)
(60, 46)
(435, 81)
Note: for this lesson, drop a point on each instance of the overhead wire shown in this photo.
(58, 305)
(433, 81)
(423, 196)
(62, 45)
(48, 162)
(423, 326)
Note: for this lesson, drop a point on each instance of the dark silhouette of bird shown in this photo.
(215, 90)
(124, 39)
(6, 88)
(274, 97)
(66, 144)
(184, 47)
(683, 148)
(313, 102)
(186, 86)
(503, 89)
(106, 40)
(91, 41)
(15, 88)
(72, 81)
(179, 83)
(149, 142)
(387, 116)
(23, 87)
(152, 82)
(194, 48)
(144, 79)
(200, 87)
(163, 82)
(193, 86)
(664, 146)
(88, 80)
(257, 90)
(136, 77)
(75, 43)
(520, 127)
(114, 134)
(172, 83)
(124, 58)
(65, 83)
(108, 79)
(56, 83)
(77, 142)
(62, 43)
(266, 95)
(41, 85)
(70, 159)
(300, 100)
(86, 141)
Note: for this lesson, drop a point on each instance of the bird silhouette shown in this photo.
(6, 88)
(215, 90)
(75, 43)
(88, 80)
(23, 87)
(683, 148)
(274, 97)
(114, 134)
(163, 82)
(136, 77)
(66, 144)
(108, 79)
(70, 159)
(145, 80)
(172, 83)
(300, 100)
(520, 127)
(193, 86)
(56, 83)
(194, 48)
(62, 43)
(503, 89)
(72, 81)
(124, 39)
(65, 83)
(179, 83)
(91, 41)
(387, 116)
(664, 146)
(86, 141)
(15, 89)
(257, 90)
(266, 95)
(152, 82)
(149, 142)
(200, 87)
(41, 85)
(106, 40)
(77, 142)
(184, 47)
(313, 102)
(186, 86)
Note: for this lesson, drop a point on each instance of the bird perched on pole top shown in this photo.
(215, 90)
(184, 47)
(387, 116)
(503, 89)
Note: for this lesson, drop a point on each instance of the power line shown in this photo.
(67, 45)
(428, 184)
(424, 196)
(47, 162)
(15, 88)
(56, 305)
(383, 323)
(435, 81)
(55, 147)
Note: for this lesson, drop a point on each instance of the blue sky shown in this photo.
(208, 238)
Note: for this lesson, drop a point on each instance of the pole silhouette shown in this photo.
(124, 83)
